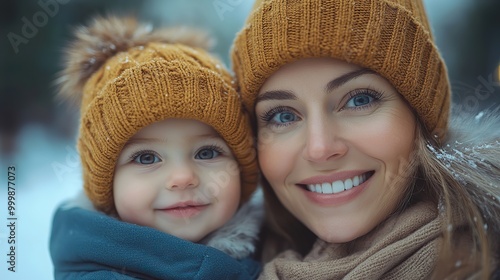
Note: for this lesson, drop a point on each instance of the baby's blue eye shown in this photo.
(147, 158)
(360, 100)
(207, 153)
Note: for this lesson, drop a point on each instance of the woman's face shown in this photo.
(334, 140)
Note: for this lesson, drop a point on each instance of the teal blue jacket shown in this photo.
(86, 244)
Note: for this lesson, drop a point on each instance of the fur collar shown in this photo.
(472, 155)
(237, 238)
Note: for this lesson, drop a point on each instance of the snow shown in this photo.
(40, 187)
(479, 116)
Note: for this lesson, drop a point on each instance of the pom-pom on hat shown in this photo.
(127, 76)
(391, 37)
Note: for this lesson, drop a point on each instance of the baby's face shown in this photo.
(178, 176)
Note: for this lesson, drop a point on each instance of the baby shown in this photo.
(166, 147)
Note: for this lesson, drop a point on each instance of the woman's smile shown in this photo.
(334, 183)
(338, 192)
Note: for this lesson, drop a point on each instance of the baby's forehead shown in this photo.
(175, 129)
(171, 126)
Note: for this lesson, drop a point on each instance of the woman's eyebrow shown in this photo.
(337, 82)
(275, 95)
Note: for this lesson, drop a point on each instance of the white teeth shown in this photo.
(318, 188)
(348, 184)
(337, 186)
(327, 188)
(362, 179)
(355, 181)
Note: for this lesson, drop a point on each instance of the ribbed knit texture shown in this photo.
(150, 83)
(391, 37)
(406, 246)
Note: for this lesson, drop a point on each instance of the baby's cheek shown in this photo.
(130, 209)
(127, 193)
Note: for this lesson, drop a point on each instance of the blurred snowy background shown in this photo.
(38, 133)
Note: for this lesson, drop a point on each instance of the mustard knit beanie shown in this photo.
(128, 76)
(391, 37)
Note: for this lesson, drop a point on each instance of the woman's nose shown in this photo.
(323, 141)
(181, 177)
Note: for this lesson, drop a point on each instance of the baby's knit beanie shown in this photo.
(129, 76)
(391, 37)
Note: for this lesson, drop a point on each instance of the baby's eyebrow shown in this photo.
(208, 135)
(134, 141)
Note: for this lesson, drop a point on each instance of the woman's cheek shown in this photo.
(276, 156)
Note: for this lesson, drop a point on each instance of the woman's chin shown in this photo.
(338, 236)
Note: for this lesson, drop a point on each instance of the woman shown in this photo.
(364, 178)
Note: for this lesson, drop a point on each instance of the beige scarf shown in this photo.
(404, 247)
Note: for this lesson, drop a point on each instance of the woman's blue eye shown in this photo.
(360, 100)
(284, 117)
(207, 153)
(279, 116)
(147, 158)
